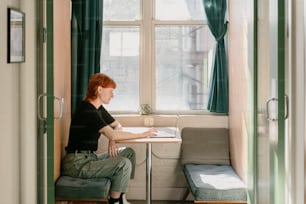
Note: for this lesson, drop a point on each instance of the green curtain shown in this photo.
(86, 36)
(218, 94)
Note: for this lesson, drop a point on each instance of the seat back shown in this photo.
(205, 146)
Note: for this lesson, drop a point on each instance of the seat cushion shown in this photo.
(205, 146)
(215, 182)
(76, 188)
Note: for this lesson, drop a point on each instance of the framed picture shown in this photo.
(16, 36)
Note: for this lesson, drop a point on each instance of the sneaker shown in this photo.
(124, 200)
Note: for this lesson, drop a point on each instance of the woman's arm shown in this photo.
(113, 134)
(116, 125)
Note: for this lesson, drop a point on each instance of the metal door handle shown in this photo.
(286, 107)
(61, 104)
(268, 111)
(40, 107)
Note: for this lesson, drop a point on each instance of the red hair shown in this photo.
(95, 81)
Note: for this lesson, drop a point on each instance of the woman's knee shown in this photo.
(124, 170)
(127, 152)
(125, 163)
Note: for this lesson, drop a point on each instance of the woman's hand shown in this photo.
(151, 132)
(112, 149)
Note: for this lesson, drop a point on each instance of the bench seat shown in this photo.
(214, 182)
(77, 189)
(207, 167)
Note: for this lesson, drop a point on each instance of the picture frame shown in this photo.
(16, 36)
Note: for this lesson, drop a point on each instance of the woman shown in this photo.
(89, 121)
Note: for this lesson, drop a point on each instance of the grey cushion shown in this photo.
(77, 188)
(205, 146)
(215, 182)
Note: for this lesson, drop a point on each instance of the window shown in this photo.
(159, 52)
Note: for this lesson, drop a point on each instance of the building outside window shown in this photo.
(159, 52)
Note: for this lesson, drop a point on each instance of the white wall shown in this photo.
(17, 113)
(295, 140)
(9, 115)
(28, 133)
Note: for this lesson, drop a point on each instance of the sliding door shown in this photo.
(271, 102)
(45, 100)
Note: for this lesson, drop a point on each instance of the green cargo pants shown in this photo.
(89, 165)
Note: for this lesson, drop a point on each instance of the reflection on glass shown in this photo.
(179, 10)
(120, 60)
(183, 63)
(121, 10)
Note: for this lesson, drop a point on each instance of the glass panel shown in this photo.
(270, 181)
(179, 10)
(183, 63)
(264, 89)
(120, 60)
(121, 10)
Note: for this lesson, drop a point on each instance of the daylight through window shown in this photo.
(159, 57)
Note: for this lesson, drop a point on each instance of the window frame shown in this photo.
(147, 57)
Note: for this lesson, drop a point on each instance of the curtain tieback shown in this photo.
(221, 37)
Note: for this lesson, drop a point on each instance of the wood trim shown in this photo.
(62, 86)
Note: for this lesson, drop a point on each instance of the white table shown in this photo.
(165, 136)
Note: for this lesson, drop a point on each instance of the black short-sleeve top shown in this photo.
(85, 125)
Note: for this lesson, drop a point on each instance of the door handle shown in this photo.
(61, 105)
(286, 107)
(41, 107)
(286, 113)
(268, 109)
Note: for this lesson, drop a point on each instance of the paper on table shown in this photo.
(161, 131)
